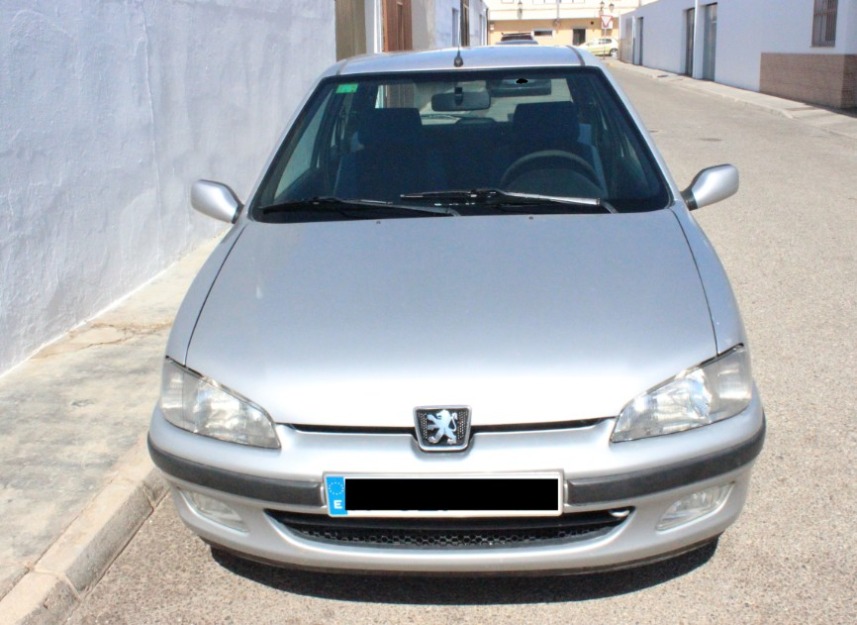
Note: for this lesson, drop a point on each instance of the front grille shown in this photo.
(475, 429)
(449, 533)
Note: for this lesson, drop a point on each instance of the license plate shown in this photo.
(529, 494)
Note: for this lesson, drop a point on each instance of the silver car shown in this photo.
(466, 322)
(603, 46)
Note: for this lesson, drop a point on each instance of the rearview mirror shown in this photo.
(711, 185)
(460, 100)
(215, 200)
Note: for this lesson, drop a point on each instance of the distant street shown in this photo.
(789, 244)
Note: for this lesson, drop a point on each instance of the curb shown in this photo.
(72, 566)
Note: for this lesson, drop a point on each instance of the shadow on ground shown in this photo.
(459, 590)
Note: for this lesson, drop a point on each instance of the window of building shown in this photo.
(456, 28)
(542, 32)
(824, 23)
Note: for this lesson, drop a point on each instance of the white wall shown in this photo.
(846, 35)
(745, 29)
(108, 111)
(374, 28)
(663, 33)
(442, 36)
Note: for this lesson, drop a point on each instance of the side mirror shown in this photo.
(215, 200)
(711, 185)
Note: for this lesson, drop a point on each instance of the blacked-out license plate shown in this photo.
(515, 495)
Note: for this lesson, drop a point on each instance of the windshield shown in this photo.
(404, 140)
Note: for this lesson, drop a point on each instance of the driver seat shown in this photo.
(541, 126)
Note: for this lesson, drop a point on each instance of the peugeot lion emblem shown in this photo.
(443, 428)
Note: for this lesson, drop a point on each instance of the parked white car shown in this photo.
(603, 46)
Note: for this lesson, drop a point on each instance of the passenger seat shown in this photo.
(391, 158)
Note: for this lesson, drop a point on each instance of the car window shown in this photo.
(552, 133)
(304, 155)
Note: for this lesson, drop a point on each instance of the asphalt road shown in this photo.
(789, 243)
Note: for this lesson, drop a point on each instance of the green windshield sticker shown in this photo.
(350, 87)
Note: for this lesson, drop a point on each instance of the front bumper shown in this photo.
(634, 482)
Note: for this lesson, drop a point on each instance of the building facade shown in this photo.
(559, 22)
(803, 50)
(369, 26)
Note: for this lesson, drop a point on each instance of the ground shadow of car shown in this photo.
(467, 590)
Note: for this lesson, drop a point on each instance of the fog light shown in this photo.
(214, 510)
(694, 506)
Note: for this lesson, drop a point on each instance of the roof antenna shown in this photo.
(458, 62)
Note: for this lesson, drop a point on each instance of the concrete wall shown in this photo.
(847, 29)
(440, 22)
(788, 29)
(663, 34)
(108, 111)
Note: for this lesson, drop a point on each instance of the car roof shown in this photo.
(486, 57)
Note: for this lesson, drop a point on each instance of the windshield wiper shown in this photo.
(349, 208)
(505, 199)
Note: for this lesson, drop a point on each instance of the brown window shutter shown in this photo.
(398, 27)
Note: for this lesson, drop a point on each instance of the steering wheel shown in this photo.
(530, 162)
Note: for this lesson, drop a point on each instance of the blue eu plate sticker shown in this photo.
(335, 495)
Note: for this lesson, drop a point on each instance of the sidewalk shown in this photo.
(824, 119)
(76, 481)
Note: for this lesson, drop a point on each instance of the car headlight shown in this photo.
(711, 392)
(202, 406)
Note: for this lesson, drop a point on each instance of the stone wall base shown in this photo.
(825, 79)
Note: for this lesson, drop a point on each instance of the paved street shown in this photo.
(789, 243)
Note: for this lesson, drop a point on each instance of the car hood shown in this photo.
(523, 318)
